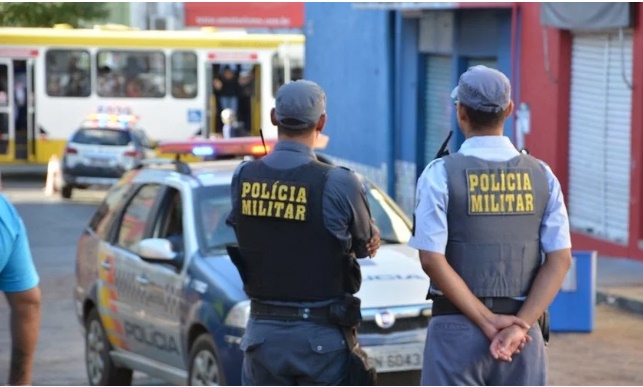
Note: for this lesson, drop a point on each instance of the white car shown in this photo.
(156, 291)
(101, 150)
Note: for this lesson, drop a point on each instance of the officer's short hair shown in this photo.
(482, 120)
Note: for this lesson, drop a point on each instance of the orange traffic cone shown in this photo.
(53, 170)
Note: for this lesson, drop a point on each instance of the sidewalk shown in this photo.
(619, 282)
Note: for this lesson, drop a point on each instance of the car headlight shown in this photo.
(239, 315)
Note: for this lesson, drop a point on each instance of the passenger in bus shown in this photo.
(232, 127)
(133, 88)
(226, 88)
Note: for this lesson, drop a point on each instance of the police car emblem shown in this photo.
(385, 319)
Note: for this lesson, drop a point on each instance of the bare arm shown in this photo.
(546, 285)
(456, 290)
(25, 326)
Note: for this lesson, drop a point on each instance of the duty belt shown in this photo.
(260, 310)
(498, 305)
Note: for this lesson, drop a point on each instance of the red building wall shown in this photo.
(548, 94)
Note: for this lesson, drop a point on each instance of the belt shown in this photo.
(498, 305)
(260, 310)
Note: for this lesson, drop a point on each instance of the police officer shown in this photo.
(484, 216)
(19, 282)
(299, 223)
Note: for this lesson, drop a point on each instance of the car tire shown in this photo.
(66, 191)
(204, 368)
(101, 370)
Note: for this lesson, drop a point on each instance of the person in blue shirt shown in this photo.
(484, 217)
(19, 282)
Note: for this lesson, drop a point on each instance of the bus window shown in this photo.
(131, 74)
(184, 76)
(68, 73)
(280, 70)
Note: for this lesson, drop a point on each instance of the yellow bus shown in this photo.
(176, 82)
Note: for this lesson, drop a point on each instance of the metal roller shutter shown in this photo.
(489, 62)
(439, 105)
(599, 143)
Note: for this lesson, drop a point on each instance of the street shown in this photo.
(611, 355)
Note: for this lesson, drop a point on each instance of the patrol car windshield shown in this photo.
(393, 224)
(101, 137)
(213, 206)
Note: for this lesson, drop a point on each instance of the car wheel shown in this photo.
(204, 367)
(66, 191)
(101, 370)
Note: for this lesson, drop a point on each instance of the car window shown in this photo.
(136, 216)
(212, 207)
(394, 226)
(105, 213)
(169, 224)
(102, 137)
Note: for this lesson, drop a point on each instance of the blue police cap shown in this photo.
(299, 104)
(484, 89)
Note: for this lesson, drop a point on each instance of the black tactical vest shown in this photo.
(494, 215)
(286, 252)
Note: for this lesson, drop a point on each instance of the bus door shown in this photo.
(234, 87)
(32, 131)
(6, 108)
(22, 93)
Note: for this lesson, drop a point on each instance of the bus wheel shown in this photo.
(65, 192)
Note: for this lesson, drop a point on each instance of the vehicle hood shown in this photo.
(393, 278)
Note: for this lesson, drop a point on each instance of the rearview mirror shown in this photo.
(157, 249)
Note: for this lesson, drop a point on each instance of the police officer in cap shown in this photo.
(484, 217)
(300, 224)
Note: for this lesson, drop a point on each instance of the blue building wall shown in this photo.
(369, 63)
(349, 54)
(481, 34)
(407, 113)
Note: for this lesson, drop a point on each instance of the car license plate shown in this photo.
(392, 358)
(96, 162)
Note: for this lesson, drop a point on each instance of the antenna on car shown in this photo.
(263, 141)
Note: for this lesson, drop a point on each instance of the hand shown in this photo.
(217, 84)
(498, 322)
(508, 342)
(374, 242)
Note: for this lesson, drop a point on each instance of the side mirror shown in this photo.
(156, 249)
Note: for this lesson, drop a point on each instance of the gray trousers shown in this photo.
(291, 353)
(457, 353)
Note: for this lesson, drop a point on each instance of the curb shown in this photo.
(626, 304)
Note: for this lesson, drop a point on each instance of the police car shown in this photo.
(156, 291)
(107, 143)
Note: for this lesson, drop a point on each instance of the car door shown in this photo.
(165, 287)
(131, 282)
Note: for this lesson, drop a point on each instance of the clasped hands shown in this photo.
(508, 335)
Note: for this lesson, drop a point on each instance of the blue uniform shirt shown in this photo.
(17, 271)
(432, 199)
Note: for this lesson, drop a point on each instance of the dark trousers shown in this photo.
(291, 353)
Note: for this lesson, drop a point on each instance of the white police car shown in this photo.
(156, 291)
(106, 144)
